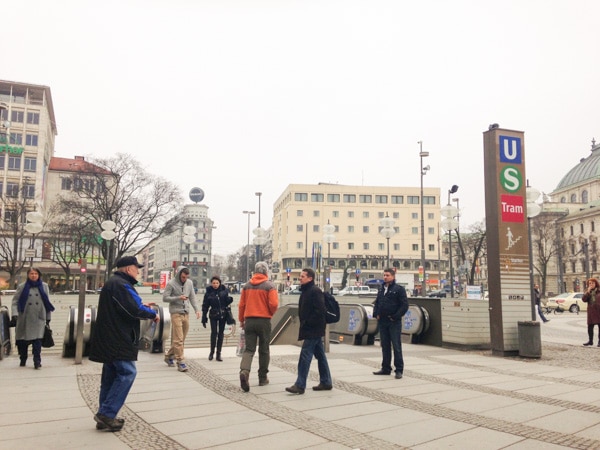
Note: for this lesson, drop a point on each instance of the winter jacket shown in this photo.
(593, 309)
(115, 335)
(175, 289)
(259, 298)
(311, 312)
(216, 300)
(390, 305)
(32, 321)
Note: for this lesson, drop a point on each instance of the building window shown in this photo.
(396, 247)
(30, 164)
(415, 247)
(430, 216)
(17, 116)
(29, 191)
(381, 199)
(431, 247)
(335, 214)
(365, 246)
(2, 161)
(396, 215)
(414, 230)
(350, 214)
(428, 200)
(333, 198)
(335, 245)
(1, 187)
(365, 214)
(412, 199)
(299, 245)
(350, 245)
(337, 229)
(31, 140)
(350, 228)
(16, 138)
(573, 198)
(571, 230)
(33, 118)
(414, 216)
(430, 230)
(66, 184)
(592, 223)
(584, 197)
(581, 228)
(299, 227)
(316, 197)
(380, 247)
(381, 214)
(12, 190)
(299, 213)
(316, 213)
(14, 163)
(365, 229)
(316, 228)
(301, 197)
(397, 199)
(10, 216)
(3, 113)
(563, 200)
(349, 198)
(365, 198)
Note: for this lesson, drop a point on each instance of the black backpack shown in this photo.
(332, 307)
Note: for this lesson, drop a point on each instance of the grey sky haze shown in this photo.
(237, 97)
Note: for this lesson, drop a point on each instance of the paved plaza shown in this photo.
(447, 399)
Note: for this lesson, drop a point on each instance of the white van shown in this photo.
(356, 290)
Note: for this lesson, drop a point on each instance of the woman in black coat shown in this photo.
(216, 300)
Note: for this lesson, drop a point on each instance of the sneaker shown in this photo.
(182, 367)
(169, 361)
(295, 390)
(263, 382)
(106, 423)
(244, 374)
(322, 387)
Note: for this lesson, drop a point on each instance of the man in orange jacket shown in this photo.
(258, 303)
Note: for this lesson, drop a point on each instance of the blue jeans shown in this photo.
(312, 347)
(117, 379)
(541, 313)
(389, 336)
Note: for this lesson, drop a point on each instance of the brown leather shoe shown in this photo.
(322, 387)
(263, 382)
(244, 375)
(108, 423)
(295, 390)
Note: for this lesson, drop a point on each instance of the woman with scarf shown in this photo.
(592, 298)
(217, 299)
(31, 310)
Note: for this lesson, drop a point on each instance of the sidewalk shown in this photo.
(447, 399)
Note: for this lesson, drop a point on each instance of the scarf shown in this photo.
(25, 295)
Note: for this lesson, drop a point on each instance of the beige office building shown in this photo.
(358, 251)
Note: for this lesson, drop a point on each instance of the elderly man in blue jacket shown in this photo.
(390, 305)
(115, 340)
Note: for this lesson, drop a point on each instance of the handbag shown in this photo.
(241, 343)
(229, 317)
(47, 340)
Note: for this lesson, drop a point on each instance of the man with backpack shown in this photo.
(311, 313)
(390, 305)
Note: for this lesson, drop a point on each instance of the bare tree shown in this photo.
(472, 247)
(142, 205)
(544, 243)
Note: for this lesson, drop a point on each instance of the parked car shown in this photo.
(356, 290)
(295, 291)
(441, 293)
(569, 301)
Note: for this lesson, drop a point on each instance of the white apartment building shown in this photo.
(358, 250)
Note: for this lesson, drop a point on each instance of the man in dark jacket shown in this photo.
(311, 313)
(115, 340)
(390, 305)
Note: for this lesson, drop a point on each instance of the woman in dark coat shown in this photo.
(216, 300)
(31, 310)
(592, 298)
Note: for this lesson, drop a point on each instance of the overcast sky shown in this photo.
(237, 97)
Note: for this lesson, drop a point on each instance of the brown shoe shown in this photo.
(322, 387)
(263, 382)
(101, 426)
(108, 423)
(244, 375)
(295, 390)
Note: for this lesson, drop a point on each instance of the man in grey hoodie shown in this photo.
(179, 293)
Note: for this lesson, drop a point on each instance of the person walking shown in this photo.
(179, 294)
(214, 306)
(258, 303)
(31, 312)
(311, 313)
(389, 307)
(536, 292)
(592, 297)
(114, 341)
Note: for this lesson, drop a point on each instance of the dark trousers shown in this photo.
(36, 350)
(591, 332)
(258, 331)
(217, 328)
(541, 313)
(389, 336)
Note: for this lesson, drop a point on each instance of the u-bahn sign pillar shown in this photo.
(507, 237)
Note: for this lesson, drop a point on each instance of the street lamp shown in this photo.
(34, 227)
(424, 170)
(533, 209)
(328, 237)
(449, 224)
(387, 231)
(248, 213)
(108, 234)
(259, 234)
(189, 238)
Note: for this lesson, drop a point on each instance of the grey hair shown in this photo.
(261, 267)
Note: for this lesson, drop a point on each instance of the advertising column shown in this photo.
(507, 237)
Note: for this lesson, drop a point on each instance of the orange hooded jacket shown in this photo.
(259, 298)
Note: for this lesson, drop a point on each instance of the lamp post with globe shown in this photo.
(533, 209)
(34, 226)
(328, 237)
(387, 231)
